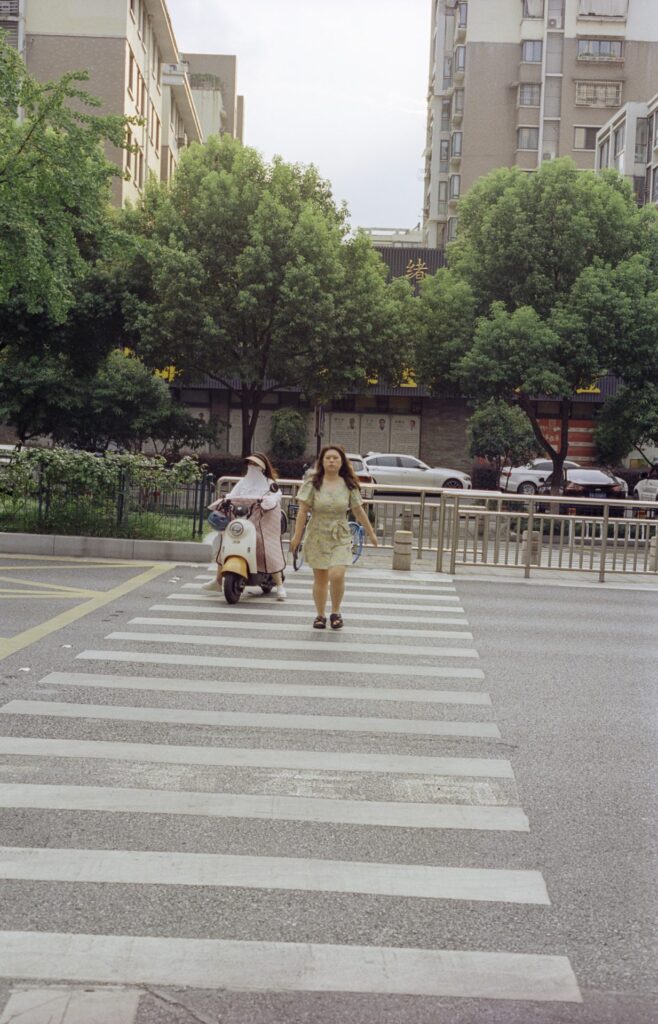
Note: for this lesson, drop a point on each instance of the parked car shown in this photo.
(408, 471)
(646, 489)
(529, 478)
(586, 483)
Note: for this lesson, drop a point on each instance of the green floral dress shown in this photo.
(328, 541)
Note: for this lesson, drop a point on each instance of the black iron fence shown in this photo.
(123, 508)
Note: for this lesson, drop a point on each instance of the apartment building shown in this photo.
(517, 82)
(213, 77)
(130, 51)
(628, 143)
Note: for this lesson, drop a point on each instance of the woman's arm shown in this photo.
(300, 523)
(359, 514)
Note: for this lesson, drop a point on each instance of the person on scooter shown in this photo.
(259, 484)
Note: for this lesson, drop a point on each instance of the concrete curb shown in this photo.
(105, 547)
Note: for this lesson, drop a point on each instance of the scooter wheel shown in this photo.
(233, 587)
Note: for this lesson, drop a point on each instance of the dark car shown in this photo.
(586, 483)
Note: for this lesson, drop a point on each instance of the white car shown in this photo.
(647, 488)
(529, 478)
(407, 471)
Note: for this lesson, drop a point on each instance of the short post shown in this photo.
(402, 541)
(407, 519)
(530, 541)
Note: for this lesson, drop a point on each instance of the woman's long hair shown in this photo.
(346, 470)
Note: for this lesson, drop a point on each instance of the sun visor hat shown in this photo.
(255, 461)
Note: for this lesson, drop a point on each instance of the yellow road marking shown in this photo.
(47, 586)
(67, 558)
(36, 633)
(30, 595)
(66, 568)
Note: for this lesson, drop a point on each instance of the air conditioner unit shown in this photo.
(553, 23)
(547, 156)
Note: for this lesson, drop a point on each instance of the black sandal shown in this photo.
(336, 620)
(320, 622)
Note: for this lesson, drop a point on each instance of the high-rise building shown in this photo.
(213, 77)
(135, 68)
(517, 82)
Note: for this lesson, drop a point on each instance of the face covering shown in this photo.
(253, 485)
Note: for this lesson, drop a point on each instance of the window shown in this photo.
(157, 134)
(533, 8)
(462, 15)
(460, 58)
(598, 94)
(584, 138)
(444, 155)
(456, 144)
(407, 462)
(132, 68)
(445, 115)
(531, 51)
(527, 138)
(619, 139)
(383, 460)
(443, 197)
(602, 8)
(529, 94)
(649, 139)
(458, 101)
(447, 71)
(129, 155)
(600, 49)
(654, 185)
(455, 185)
(604, 153)
(452, 229)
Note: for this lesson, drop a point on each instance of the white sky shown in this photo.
(337, 83)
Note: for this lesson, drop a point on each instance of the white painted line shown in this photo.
(388, 602)
(315, 691)
(276, 665)
(58, 1005)
(250, 720)
(220, 607)
(282, 627)
(305, 874)
(327, 644)
(269, 808)
(237, 757)
(286, 967)
(398, 588)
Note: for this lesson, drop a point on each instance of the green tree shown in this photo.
(501, 434)
(288, 433)
(244, 271)
(628, 422)
(54, 187)
(559, 277)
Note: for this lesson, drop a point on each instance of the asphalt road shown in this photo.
(397, 823)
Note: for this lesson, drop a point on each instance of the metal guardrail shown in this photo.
(493, 528)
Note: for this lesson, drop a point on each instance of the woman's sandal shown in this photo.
(336, 620)
(320, 622)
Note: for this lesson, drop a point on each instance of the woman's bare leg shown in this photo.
(337, 586)
(278, 580)
(320, 588)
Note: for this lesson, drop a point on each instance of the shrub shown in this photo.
(484, 477)
(288, 434)
(501, 433)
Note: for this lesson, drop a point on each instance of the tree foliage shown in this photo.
(243, 270)
(553, 282)
(54, 186)
(288, 433)
(628, 422)
(501, 434)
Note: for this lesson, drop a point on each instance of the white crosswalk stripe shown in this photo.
(387, 713)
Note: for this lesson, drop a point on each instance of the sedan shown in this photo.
(407, 471)
(529, 478)
(587, 483)
(647, 488)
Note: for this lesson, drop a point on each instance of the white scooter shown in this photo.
(238, 553)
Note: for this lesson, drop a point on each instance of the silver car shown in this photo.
(408, 471)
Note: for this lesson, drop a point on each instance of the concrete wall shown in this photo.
(443, 433)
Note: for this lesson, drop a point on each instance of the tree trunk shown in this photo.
(250, 402)
(556, 456)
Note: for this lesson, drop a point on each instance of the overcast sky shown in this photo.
(337, 83)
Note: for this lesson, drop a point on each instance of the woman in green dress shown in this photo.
(329, 495)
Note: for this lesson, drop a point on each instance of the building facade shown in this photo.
(628, 143)
(517, 82)
(135, 69)
(213, 77)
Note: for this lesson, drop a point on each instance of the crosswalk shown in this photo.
(327, 801)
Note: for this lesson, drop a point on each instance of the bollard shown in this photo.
(402, 549)
(534, 551)
(407, 519)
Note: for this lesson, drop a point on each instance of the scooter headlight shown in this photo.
(236, 529)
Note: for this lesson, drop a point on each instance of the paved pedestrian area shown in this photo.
(299, 825)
